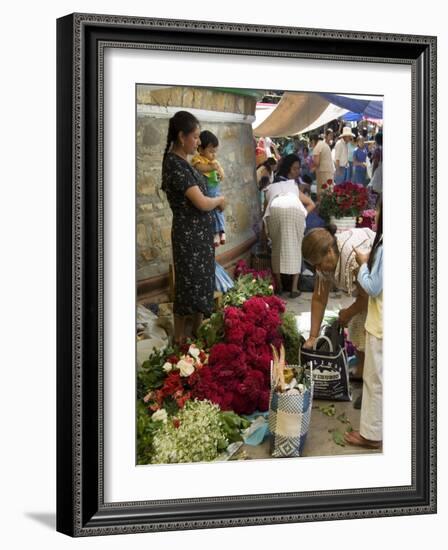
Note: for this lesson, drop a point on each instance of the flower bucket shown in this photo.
(344, 223)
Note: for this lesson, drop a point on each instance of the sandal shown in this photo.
(294, 293)
(356, 439)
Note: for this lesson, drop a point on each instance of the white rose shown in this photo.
(167, 367)
(161, 414)
(271, 287)
(194, 351)
(185, 368)
(301, 388)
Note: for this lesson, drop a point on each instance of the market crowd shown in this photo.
(292, 177)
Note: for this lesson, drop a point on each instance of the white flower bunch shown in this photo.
(198, 437)
(187, 363)
(161, 414)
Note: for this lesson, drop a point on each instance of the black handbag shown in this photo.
(328, 362)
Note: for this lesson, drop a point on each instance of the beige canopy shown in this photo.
(294, 113)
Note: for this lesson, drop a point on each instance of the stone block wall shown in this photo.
(236, 154)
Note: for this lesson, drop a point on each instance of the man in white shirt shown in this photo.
(322, 161)
(341, 155)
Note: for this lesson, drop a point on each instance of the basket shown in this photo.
(289, 420)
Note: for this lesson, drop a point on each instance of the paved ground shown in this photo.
(320, 440)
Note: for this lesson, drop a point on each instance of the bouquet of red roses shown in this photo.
(237, 376)
(346, 199)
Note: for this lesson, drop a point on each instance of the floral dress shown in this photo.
(192, 239)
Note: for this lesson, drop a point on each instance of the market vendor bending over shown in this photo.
(332, 255)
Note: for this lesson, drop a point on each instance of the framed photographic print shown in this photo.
(246, 234)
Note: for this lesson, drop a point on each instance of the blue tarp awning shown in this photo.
(366, 107)
(350, 116)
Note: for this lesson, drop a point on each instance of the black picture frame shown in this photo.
(81, 510)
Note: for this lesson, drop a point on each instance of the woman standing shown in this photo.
(370, 277)
(360, 162)
(192, 229)
(285, 211)
(322, 160)
(334, 259)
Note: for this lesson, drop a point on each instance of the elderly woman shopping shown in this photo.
(332, 255)
(285, 213)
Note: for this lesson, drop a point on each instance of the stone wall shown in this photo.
(236, 154)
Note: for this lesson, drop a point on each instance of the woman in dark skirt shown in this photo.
(192, 229)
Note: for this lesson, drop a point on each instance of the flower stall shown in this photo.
(194, 400)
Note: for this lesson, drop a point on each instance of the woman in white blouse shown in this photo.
(286, 209)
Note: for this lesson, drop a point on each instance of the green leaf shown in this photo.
(292, 338)
(338, 438)
(170, 405)
(212, 330)
(245, 287)
(328, 410)
(343, 418)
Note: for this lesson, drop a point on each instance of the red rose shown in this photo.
(172, 384)
(184, 348)
(275, 303)
(242, 405)
(235, 336)
(183, 399)
(176, 422)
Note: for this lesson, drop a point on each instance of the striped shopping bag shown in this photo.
(289, 419)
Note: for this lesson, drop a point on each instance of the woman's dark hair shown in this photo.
(379, 138)
(285, 166)
(182, 121)
(306, 179)
(314, 137)
(305, 149)
(379, 233)
(264, 182)
(208, 138)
